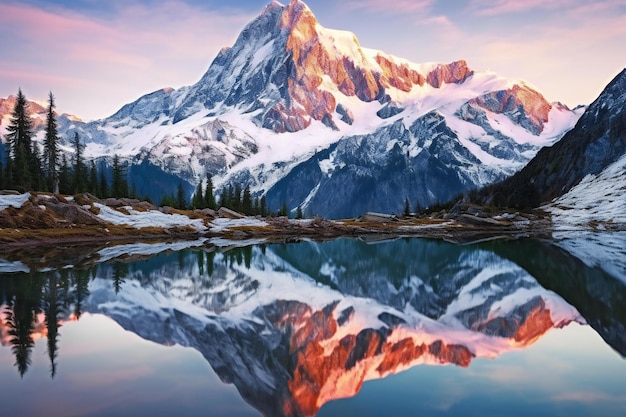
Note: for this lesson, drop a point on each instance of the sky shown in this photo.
(96, 56)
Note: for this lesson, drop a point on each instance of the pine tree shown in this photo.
(132, 191)
(246, 202)
(230, 197)
(181, 202)
(299, 212)
(236, 203)
(263, 208)
(38, 180)
(51, 149)
(92, 186)
(209, 198)
(226, 198)
(19, 148)
(103, 187)
(284, 211)
(198, 201)
(79, 183)
(64, 176)
(2, 185)
(8, 169)
(119, 186)
(407, 207)
(168, 200)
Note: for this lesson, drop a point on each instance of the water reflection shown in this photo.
(297, 325)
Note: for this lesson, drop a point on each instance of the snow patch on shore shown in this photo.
(221, 224)
(151, 218)
(16, 201)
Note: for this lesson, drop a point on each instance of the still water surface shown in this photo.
(340, 328)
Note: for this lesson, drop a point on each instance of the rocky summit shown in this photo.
(309, 118)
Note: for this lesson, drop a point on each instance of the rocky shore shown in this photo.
(35, 219)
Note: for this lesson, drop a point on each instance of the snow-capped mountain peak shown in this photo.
(289, 93)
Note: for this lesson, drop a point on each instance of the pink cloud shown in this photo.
(394, 7)
(118, 58)
(497, 7)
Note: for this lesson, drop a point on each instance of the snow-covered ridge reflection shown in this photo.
(294, 326)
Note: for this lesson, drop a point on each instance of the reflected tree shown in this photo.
(21, 314)
(200, 256)
(53, 297)
(120, 271)
(53, 294)
(209, 263)
(247, 256)
(81, 292)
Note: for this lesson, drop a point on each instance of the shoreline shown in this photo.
(277, 230)
(46, 220)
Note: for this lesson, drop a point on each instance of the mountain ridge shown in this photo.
(289, 88)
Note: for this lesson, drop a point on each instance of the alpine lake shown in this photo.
(347, 327)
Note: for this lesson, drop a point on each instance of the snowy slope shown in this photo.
(598, 201)
(584, 171)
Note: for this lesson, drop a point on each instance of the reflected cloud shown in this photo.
(589, 397)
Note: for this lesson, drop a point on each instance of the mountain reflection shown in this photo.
(294, 326)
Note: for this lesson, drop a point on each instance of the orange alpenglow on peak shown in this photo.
(320, 54)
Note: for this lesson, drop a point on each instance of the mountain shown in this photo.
(308, 117)
(585, 169)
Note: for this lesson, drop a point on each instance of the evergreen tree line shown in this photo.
(202, 198)
(241, 200)
(27, 168)
(234, 198)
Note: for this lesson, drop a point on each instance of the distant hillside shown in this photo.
(597, 141)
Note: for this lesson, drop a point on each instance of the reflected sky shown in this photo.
(106, 370)
(569, 372)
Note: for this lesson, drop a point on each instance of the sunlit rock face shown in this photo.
(521, 104)
(297, 69)
(327, 62)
